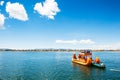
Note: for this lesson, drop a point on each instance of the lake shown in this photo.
(56, 66)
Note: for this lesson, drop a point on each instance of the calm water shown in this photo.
(56, 66)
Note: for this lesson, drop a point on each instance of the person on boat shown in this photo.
(97, 60)
(74, 56)
(82, 57)
(79, 56)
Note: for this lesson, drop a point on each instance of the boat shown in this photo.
(84, 58)
(98, 63)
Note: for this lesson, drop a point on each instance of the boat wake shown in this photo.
(116, 70)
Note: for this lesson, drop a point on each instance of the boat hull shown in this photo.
(87, 63)
(100, 65)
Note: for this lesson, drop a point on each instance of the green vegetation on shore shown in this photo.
(54, 50)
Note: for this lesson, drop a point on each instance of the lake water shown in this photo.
(56, 66)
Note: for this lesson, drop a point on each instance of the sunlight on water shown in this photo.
(115, 70)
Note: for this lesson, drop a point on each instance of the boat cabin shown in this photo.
(85, 54)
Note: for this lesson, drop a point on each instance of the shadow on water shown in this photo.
(88, 72)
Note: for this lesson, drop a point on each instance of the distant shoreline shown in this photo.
(54, 50)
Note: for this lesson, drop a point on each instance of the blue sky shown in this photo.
(81, 24)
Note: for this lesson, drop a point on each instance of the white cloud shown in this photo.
(16, 11)
(88, 41)
(107, 46)
(93, 46)
(2, 19)
(1, 3)
(49, 8)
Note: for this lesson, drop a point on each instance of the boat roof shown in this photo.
(86, 52)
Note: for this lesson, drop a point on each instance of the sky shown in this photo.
(69, 24)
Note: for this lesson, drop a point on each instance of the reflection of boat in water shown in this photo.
(84, 58)
(85, 70)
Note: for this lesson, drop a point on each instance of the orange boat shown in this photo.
(84, 58)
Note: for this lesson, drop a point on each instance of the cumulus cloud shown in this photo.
(49, 8)
(1, 3)
(88, 41)
(2, 19)
(16, 11)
